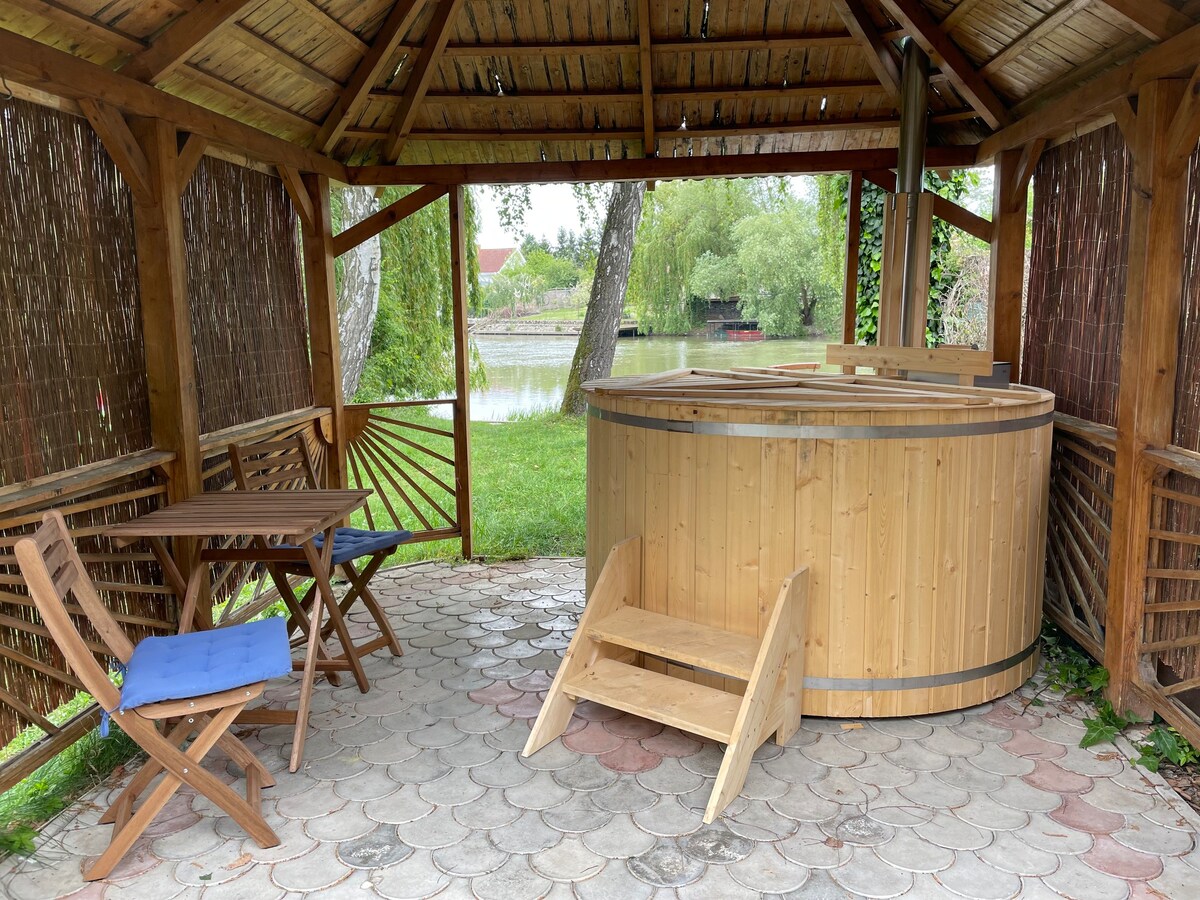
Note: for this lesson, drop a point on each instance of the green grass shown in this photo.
(528, 499)
(573, 314)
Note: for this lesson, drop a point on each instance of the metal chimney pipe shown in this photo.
(910, 175)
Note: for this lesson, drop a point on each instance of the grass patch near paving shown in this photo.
(528, 499)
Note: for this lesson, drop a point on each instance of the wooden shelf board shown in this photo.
(691, 643)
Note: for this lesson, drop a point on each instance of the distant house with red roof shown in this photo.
(494, 260)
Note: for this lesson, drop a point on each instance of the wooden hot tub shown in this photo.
(920, 510)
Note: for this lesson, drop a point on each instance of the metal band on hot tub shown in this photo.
(903, 683)
(824, 432)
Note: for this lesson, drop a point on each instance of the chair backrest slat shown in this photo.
(52, 570)
(273, 465)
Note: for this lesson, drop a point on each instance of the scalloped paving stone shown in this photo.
(528, 833)
(586, 774)
(964, 776)
(1142, 834)
(972, 878)
(374, 851)
(1079, 814)
(993, 758)
(858, 829)
(908, 729)
(929, 791)
(472, 856)
(953, 833)
(631, 757)
(425, 766)
(1046, 834)
(913, 755)
(431, 832)
(665, 865)
(1176, 880)
(1050, 777)
(717, 845)
(405, 805)
(669, 777)
(669, 818)
(349, 823)
(947, 743)
(828, 750)
(768, 871)
(881, 773)
(868, 740)
(1093, 762)
(866, 875)
(839, 787)
(613, 882)
(793, 767)
(568, 861)
(409, 879)
(1030, 746)
(893, 808)
(1008, 854)
(577, 815)
(1076, 881)
(1110, 797)
(1016, 794)
(1060, 730)
(317, 869)
(717, 884)
(453, 789)
(984, 812)
(912, 853)
(813, 849)
(1112, 858)
(758, 822)
(624, 795)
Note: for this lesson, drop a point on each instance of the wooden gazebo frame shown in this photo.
(446, 93)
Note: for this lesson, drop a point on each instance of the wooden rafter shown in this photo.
(191, 149)
(1030, 154)
(1185, 127)
(181, 38)
(330, 25)
(350, 102)
(39, 66)
(880, 57)
(950, 59)
(1153, 18)
(419, 77)
(1169, 59)
(660, 168)
(646, 77)
(958, 14)
(293, 181)
(730, 92)
(495, 135)
(1033, 34)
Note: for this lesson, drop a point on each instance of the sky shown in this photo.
(552, 206)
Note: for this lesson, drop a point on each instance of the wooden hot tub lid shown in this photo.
(781, 389)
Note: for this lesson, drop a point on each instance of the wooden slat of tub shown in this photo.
(656, 540)
(777, 514)
(950, 541)
(981, 601)
(814, 525)
(848, 625)
(922, 565)
(742, 530)
(681, 538)
(712, 467)
(883, 605)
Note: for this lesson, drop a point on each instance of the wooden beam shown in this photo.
(646, 77)
(1170, 58)
(958, 14)
(853, 241)
(354, 95)
(659, 45)
(866, 123)
(1006, 273)
(386, 217)
(190, 151)
(281, 57)
(39, 66)
(82, 24)
(122, 147)
(734, 165)
(1149, 356)
(297, 190)
(166, 311)
(1185, 127)
(462, 366)
(950, 59)
(330, 25)
(945, 209)
(1153, 18)
(1033, 34)
(1125, 116)
(420, 76)
(181, 37)
(880, 57)
(321, 291)
(718, 92)
(1030, 154)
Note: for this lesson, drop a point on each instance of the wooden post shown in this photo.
(1006, 279)
(321, 288)
(167, 324)
(853, 237)
(166, 315)
(1149, 353)
(462, 366)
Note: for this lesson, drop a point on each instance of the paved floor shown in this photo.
(417, 788)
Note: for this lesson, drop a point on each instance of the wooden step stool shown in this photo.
(602, 664)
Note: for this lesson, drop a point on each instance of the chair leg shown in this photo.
(360, 589)
(146, 774)
(182, 768)
(321, 574)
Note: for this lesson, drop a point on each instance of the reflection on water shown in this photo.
(527, 374)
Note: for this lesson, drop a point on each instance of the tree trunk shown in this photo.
(598, 339)
(358, 296)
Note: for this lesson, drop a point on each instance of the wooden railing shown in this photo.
(1079, 531)
(414, 462)
(34, 681)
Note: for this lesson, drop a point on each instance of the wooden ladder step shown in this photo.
(714, 649)
(672, 701)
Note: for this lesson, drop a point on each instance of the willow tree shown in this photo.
(602, 321)
(411, 349)
(358, 286)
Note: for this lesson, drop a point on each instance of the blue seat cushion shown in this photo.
(355, 543)
(179, 666)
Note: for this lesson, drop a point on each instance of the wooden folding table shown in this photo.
(297, 517)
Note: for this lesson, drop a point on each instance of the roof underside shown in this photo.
(504, 81)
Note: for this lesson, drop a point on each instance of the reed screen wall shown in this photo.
(244, 283)
(1072, 337)
(72, 374)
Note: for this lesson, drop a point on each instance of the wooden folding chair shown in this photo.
(54, 573)
(287, 465)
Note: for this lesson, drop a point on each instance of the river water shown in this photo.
(528, 373)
